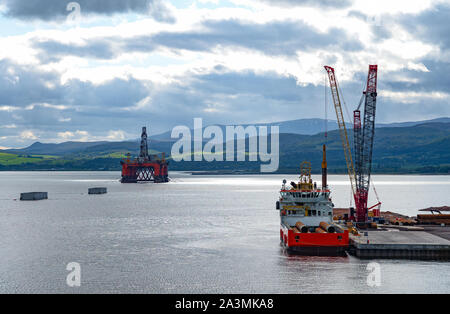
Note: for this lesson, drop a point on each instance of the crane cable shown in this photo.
(326, 104)
(343, 100)
(374, 190)
(362, 95)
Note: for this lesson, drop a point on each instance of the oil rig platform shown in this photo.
(145, 167)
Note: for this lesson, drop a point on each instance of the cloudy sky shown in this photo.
(104, 71)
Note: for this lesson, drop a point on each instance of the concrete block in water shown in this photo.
(100, 190)
(33, 196)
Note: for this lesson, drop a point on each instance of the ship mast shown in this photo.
(324, 168)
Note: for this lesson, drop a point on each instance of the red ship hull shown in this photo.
(318, 244)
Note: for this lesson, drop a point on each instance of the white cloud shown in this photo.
(74, 136)
(9, 126)
(85, 136)
(46, 105)
(116, 135)
(392, 7)
(392, 54)
(28, 135)
(414, 97)
(66, 135)
(8, 108)
(174, 70)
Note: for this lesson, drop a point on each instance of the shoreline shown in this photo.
(232, 172)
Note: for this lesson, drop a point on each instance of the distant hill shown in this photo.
(312, 126)
(422, 148)
(412, 123)
(55, 149)
(85, 148)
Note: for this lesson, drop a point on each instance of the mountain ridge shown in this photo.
(423, 148)
(312, 126)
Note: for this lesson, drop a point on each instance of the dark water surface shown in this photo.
(197, 234)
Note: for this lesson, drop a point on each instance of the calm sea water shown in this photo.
(196, 234)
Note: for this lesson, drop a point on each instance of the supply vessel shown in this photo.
(306, 214)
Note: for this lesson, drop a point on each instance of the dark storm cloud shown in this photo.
(57, 9)
(234, 98)
(276, 38)
(407, 82)
(436, 79)
(37, 99)
(314, 3)
(111, 95)
(380, 25)
(218, 97)
(21, 86)
(431, 25)
(52, 51)
(111, 105)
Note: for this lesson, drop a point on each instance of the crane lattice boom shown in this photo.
(364, 145)
(342, 127)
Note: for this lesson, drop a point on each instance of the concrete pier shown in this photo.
(100, 190)
(33, 196)
(400, 244)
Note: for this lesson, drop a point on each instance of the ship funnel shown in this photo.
(324, 167)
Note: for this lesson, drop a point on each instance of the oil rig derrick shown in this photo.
(145, 167)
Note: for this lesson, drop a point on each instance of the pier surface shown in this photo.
(443, 232)
(400, 244)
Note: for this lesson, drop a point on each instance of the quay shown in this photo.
(399, 244)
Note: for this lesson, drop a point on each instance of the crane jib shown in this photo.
(363, 131)
(342, 127)
(364, 143)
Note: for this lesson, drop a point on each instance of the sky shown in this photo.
(101, 69)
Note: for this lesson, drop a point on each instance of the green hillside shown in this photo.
(422, 148)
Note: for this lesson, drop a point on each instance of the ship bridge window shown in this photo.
(313, 212)
(319, 212)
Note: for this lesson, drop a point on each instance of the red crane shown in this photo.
(359, 171)
(363, 144)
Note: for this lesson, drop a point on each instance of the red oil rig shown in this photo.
(145, 167)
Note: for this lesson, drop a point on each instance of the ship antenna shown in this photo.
(326, 103)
